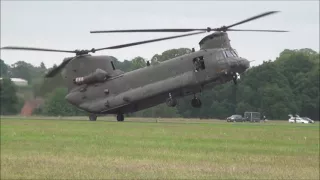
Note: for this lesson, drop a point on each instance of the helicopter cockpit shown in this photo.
(230, 53)
(228, 57)
(223, 54)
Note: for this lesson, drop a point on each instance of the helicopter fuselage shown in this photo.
(96, 86)
(152, 85)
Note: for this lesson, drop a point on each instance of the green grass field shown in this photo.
(169, 149)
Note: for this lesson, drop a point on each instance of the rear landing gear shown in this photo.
(196, 103)
(120, 117)
(92, 117)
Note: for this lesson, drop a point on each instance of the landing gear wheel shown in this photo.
(171, 102)
(92, 117)
(234, 78)
(196, 103)
(120, 117)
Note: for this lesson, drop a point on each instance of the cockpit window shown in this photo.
(230, 53)
(235, 52)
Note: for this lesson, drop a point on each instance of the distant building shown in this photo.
(18, 81)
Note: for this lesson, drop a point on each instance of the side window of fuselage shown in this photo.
(198, 63)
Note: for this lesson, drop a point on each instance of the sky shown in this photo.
(67, 24)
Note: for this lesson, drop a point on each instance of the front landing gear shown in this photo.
(235, 78)
(92, 117)
(171, 102)
(196, 103)
(120, 117)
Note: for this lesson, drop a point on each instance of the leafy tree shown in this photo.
(4, 69)
(22, 70)
(48, 85)
(44, 86)
(169, 54)
(42, 66)
(56, 105)
(8, 97)
(124, 66)
(138, 62)
(243, 107)
(27, 71)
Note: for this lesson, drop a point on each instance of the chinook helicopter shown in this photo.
(96, 86)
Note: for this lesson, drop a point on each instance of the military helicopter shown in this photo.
(96, 86)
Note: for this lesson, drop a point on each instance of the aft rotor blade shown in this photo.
(35, 49)
(148, 41)
(57, 69)
(252, 18)
(256, 30)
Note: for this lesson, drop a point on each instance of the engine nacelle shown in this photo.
(98, 76)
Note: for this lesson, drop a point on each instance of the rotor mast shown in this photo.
(215, 40)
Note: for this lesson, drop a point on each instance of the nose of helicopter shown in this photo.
(244, 63)
(239, 65)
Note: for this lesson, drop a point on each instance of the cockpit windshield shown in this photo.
(230, 53)
(234, 52)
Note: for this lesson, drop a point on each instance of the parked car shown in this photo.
(308, 119)
(299, 119)
(235, 118)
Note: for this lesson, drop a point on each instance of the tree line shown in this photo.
(286, 85)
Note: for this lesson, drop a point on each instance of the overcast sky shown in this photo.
(66, 25)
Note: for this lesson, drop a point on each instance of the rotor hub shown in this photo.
(84, 51)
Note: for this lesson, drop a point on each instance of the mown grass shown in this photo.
(169, 149)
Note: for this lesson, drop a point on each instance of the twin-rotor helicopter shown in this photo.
(96, 86)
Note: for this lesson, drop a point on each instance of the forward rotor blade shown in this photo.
(223, 28)
(35, 49)
(148, 30)
(252, 18)
(148, 41)
(256, 30)
(57, 69)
